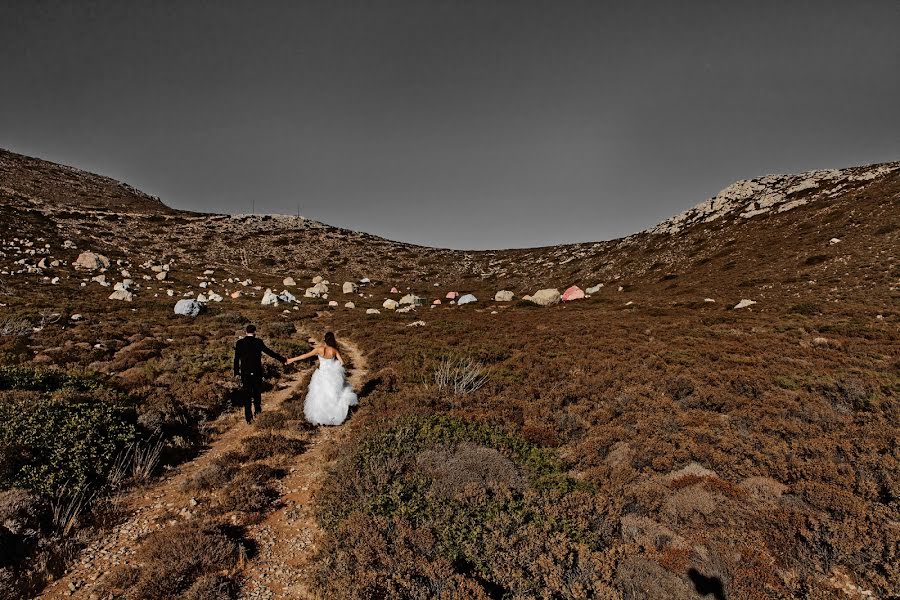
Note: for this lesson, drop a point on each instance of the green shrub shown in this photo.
(47, 443)
(484, 509)
(40, 380)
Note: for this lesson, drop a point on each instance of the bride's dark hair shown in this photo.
(330, 340)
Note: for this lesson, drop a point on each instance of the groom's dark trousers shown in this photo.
(248, 365)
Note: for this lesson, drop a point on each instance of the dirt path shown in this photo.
(285, 538)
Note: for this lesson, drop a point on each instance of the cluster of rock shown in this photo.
(773, 193)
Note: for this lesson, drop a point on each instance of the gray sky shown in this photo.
(465, 123)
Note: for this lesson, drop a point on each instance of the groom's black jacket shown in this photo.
(248, 358)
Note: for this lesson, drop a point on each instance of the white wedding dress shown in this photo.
(329, 396)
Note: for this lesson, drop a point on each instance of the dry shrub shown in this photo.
(173, 560)
(271, 420)
(245, 497)
(638, 578)
(452, 471)
(265, 445)
(459, 376)
(208, 478)
(211, 587)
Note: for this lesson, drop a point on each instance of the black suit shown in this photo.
(248, 353)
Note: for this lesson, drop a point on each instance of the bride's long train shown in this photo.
(329, 396)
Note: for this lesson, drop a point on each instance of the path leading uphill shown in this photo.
(285, 538)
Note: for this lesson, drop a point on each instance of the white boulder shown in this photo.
(350, 287)
(466, 299)
(188, 307)
(121, 295)
(319, 290)
(744, 303)
(504, 296)
(594, 288)
(373, 311)
(390, 304)
(91, 261)
(546, 297)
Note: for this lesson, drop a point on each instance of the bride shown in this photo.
(329, 396)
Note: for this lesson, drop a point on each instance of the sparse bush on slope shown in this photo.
(439, 507)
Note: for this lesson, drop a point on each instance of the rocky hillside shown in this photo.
(827, 235)
(712, 406)
(31, 182)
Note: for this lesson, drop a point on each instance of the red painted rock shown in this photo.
(573, 293)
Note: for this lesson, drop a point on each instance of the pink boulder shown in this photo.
(395, 290)
(452, 295)
(436, 302)
(573, 293)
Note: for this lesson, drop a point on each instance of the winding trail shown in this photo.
(285, 537)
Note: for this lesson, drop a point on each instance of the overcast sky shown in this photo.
(465, 123)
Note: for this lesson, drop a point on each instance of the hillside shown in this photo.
(649, 440)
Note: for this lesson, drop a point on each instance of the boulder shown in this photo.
(319, 290)
(269, 298)
(573, 293)
(332, 303)
(364, 281)
(289, 282)
(546, 297)
(350, 287)
(395, 290)
(101, 279)
(236, 294)
(207, 272)
(504, 296)
(188, 308)
(834, 241)
(744, 303)
(411, 299)
(349, 305)
(91, 261)
(436, 302)
(467, 299)
(390, 304)
(121, 295)
(373, 311)
(594, 289)
(123, 286)
(417, 324)
(452, 295)
(406, 308)
(77, 317)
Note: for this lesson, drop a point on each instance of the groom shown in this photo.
(248, 365)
